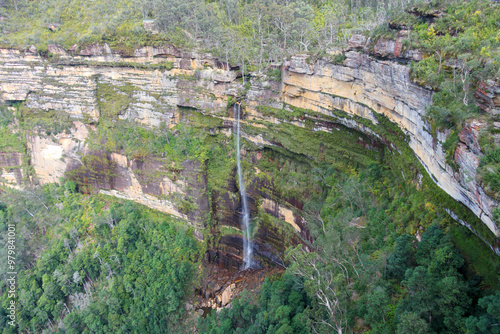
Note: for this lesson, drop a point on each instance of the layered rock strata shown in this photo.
(157, 83)
(363, 86)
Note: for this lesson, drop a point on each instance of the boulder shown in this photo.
(356, 42)
(96, 49)
(73, 48)
(32, 49)
(413, 55)
(223, 76)
(56, 49)
(384, 47)
(227, 295)
(298, 64)
(166, 51)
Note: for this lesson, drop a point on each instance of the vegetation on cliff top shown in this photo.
(461, 46)
(67, 23)
(239, 31)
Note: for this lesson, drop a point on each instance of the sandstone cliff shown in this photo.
(158, 84)
(363, 86)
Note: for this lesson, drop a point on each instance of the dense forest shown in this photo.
(382, 257)
(107, 266)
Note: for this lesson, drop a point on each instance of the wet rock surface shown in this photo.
(218, 286)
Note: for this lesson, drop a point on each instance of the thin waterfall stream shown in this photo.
(245, 220)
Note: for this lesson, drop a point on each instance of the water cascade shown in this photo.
(245, 221)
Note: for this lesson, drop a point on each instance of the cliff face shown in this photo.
(363, 86)
(77, 92)
(159, 85)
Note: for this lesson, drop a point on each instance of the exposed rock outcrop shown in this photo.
(385, 48)
(363, 86)
(165, 80)
(11, 168)
(489, 96)
(51, 157)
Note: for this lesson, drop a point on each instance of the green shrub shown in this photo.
(489, 172)
(10, 136)
(274, 74)
(338, 59)
(425, 72)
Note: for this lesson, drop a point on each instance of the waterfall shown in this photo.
(245, 221)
